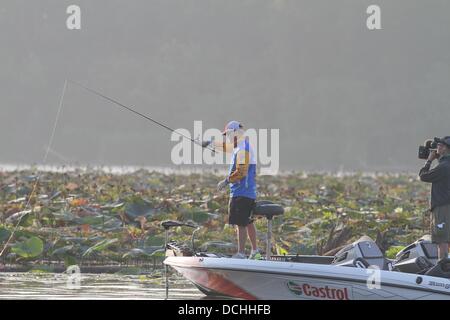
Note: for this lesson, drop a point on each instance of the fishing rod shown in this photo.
(139, 114)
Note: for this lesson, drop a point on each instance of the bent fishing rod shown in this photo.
(138, 113)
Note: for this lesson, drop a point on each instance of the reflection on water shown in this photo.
(92, 286)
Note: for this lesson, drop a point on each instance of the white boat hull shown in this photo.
(274, 280)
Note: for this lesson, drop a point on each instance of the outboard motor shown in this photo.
(441, 269)
(361, 254)
(418, 257)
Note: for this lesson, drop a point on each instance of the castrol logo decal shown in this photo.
(319, 290)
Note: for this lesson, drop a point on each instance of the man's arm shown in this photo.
(240, 171)
(221, 145)
(431, 175)
(242, 164)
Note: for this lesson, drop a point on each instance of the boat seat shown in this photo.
(267, 209)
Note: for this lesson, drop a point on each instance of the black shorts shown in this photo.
(240, 210)
(440, 224)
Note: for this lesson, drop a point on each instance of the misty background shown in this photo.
(343, 97)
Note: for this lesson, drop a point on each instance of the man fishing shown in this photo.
(241, 180)
(241, 177)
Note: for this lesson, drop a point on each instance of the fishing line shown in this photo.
(33, 190)
(139, 114)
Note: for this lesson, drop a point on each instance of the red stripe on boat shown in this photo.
(215, 281)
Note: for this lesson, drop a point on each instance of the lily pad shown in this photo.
(31, 178)
(29, 248)
(155, 241)
(66, 216)
(197, 216)
(135, 253)
(42, 269)
(113, 223)
(70, 261)
(23, 191)
(55, 195)
(73, 239)
(392, 251)
(91, 220)
(18, 216)
(102, 245)
(213, 205)
(10, 189)
(114, 205)
(62, 251)
(18, 200)
(4, 234)
(160, 253)
(138, 207)
(310, 200)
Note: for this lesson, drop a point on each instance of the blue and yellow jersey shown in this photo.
(242, 173)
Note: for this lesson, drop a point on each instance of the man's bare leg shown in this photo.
(242, 237)
(443, 250)
(252, 235)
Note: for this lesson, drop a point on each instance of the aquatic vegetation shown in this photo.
(100, 246)
(392, 252)
(29, 248)
(81, 216)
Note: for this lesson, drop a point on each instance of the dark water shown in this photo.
(92, 286)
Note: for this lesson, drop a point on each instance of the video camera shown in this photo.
(428, 146)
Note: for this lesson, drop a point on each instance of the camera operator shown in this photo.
(439, 177)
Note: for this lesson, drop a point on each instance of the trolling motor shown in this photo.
(167, 224)
(268, 209)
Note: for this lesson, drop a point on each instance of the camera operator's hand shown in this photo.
(433, 155)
